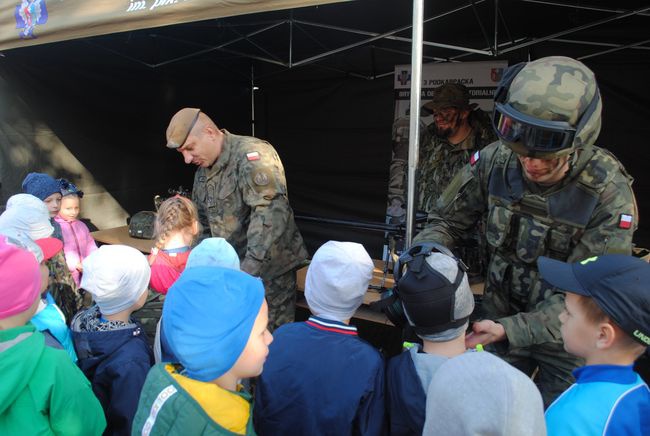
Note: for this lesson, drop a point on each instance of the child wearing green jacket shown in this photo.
(42, 391)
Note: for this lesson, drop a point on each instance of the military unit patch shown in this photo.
(625, 221)
(475, 157)
(253, 155)
(261, 179)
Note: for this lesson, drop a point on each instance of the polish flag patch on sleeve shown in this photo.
(253, 155)
(474, 158)
(625, 221)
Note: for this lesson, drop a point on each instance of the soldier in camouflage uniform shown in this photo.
(241, 195)
(457, 131)
(547, 190)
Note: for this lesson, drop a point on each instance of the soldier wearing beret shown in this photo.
(546, 190)
(241, 195)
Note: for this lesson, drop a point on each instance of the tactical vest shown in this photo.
(522, 225)
(530, 225)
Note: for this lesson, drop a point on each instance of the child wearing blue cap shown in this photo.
(606, 321)
(215, 322)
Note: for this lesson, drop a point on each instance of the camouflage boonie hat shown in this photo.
(558, 88)
(448, 95)
(181, 125)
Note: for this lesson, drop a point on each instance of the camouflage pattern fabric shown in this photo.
(557, 88)
(243, 198)
(578, 217)
(150, 314)
(281, 298)
(399, 166)
(439, 160)
(555, 365)
(63, 288)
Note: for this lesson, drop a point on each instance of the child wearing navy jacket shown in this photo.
(320, 377)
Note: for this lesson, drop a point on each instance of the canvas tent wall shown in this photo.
(109, 98)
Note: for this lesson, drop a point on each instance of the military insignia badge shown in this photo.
(496, 74)
(253, 155)
(29, 14)
(475, 157)
(625, 221)
(261, 179)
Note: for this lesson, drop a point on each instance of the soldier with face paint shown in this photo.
(547, 191)
(241, 195)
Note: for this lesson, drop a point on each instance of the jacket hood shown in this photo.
(94, 347)
(20, 351)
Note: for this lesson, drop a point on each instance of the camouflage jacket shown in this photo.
(243, 198)
(440, 161)
(63, 288)
(579, 217)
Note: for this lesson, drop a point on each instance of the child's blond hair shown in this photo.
(174, 214)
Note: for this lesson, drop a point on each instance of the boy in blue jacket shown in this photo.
(112, 348)
(606, 321)
(321, 378)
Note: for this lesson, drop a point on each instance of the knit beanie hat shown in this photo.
(208, 316)
(478, 393)
(20, 279)
(213, 252)
(69, 188)
(26, 216)
(116, 276)
(40, 185)
(337, 279)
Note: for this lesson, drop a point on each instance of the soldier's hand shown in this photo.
(485, 332)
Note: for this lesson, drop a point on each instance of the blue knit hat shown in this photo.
(213, 252)
(69, 188)
(40, 185)
(208, 315)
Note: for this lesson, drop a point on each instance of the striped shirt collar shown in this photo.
(331, 326)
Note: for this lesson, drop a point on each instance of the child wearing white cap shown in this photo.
(42, 391)
(320, 374)
(112, 347)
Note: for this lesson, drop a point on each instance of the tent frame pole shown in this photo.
(414, 119)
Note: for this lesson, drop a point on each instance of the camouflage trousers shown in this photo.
(553, 364)
(281, 298)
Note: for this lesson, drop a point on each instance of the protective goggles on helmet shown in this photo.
(535, 135)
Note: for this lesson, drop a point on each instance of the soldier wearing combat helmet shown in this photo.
(547, 191)
(241, 195)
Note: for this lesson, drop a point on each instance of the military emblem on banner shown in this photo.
(29, 14)
(403, 77)
(496, 74)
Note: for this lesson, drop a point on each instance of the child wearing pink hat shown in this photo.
(42, 391)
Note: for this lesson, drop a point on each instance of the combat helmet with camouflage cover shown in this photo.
(548, 107)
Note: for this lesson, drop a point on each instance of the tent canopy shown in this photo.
(325, 100)
(37, 21)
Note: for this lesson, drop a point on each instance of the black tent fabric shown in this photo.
(109, 98)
